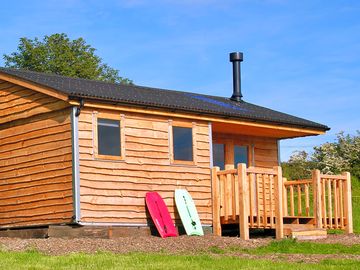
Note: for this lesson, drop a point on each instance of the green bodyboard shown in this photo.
(188, 213)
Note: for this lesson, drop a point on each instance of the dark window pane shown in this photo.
(182, 140)
(109, 137)
(219, 155)
(240, 154)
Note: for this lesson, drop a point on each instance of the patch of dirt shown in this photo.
(172, 245)
(344, 239)
(181, 245)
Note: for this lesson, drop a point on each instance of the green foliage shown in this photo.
(355, 183)
(331, 158)
(341, 155)
(60, 55)
(32, 260)
(291, 246)
(298, 167)
(216, 250)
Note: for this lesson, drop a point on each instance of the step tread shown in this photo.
(310, 232)
(299, 226)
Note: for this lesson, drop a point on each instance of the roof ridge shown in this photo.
(55, 75)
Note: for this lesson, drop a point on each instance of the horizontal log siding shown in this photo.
(265, 149)
(36, 170)
(114, 191)
(17, 102)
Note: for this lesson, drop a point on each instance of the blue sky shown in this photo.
(300, 57)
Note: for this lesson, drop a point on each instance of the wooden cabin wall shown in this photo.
(114, 191)
(35, 159)
(17, 102)
(265, 150)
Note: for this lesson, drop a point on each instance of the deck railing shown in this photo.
(297, 198)
(334, 196)
(260, 198)
(326, 198)
(251, 197)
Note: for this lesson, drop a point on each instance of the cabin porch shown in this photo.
(260, 198)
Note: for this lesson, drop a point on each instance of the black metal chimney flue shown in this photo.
(236, 58)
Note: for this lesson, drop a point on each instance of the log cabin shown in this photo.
(81, 153)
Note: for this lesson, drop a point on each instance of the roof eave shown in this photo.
(208, 116)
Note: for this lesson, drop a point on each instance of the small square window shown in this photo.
(183, 143)
(219, 155)
(108, 135)
(240, 154)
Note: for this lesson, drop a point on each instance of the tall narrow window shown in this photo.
(219, 155)
(240, 154)
(108, 135)
(183, 143)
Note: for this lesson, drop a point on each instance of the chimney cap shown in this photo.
(236, 56)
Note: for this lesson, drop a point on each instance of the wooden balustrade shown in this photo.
(326, 198)
(297, 194)
(260, 198)
(250, 196)
(336, 210)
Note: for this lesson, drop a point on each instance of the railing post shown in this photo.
(215, 183)
(317, 198)
(243, 213)
(279, 226)
(285, 199)
(348, 203)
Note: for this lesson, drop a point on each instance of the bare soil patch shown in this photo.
(178, 245)
(181, 245)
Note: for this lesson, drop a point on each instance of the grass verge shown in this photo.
(290, 246)
(355, 182)
(35, 260)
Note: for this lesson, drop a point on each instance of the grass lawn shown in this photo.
(35, 260)
(356, 203)
(290, 246)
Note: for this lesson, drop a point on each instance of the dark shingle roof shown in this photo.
(160, 98)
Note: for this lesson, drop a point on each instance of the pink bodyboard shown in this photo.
(160, 215)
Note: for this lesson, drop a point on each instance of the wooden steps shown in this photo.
(304, 231)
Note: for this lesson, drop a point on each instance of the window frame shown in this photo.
(182, 124)
(213, 154)
(110, 116)
(247, 147)
(229, 146)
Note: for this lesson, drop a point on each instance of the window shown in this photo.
(219, 155)
(230, 150)
(182, 143)
(108, 136)
(240, 154)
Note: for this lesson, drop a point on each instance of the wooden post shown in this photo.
(292, 208)
(347, 203)
(317, 198)
(285, 200)
(228, 190)
(216, 201)
(279, 226)
(243, 213)
(307, 200)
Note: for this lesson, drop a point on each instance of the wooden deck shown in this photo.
(261, 198)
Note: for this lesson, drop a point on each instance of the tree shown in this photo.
(341, 155)
(60, 55)
(331, 158)
(299, 166)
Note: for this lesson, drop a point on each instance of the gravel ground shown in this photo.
(179, 245)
